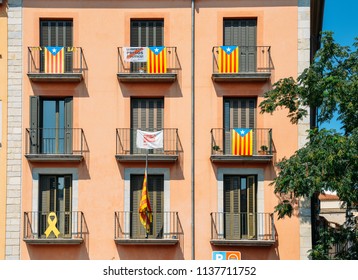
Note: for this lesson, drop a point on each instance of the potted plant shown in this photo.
(216, 149)
(263, 150)
(142, 69)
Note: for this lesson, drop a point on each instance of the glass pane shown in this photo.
(53, 123)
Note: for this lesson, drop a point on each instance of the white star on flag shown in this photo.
(54, 50)
(156, 50)
(228, 49)
(242, 132)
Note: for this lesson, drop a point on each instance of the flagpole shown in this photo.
(146, 174)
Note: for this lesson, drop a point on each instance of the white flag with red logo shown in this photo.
(149, 140)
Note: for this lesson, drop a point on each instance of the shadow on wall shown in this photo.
(55, 252)
(143, 252)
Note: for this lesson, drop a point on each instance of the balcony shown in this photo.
(132, 71)
(247, 64)
(66, 228)
(222, 148)
(242, 229)
(126, 150)
(55, 145)
(166, 229)
(66, 66)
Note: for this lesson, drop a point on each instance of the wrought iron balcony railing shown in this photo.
(249, 228)
(126, 149)
(55, 144)
(66, 227)
(129, 71)
(69, 67)
(247, 63)
(164, 229)
(222, 147)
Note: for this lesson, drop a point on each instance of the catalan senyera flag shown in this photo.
(228, 59)
(54, 59)
(242, 141)
(157, 60)
(145, 211)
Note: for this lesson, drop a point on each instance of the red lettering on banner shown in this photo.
(149, 138)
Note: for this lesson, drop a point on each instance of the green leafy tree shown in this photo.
(329, 160)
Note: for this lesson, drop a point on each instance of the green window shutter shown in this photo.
(34, 124)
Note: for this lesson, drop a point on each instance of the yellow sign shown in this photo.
(52, 220)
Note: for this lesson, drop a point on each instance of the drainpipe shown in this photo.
(192, 129)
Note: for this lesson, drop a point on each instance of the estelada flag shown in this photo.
(157, 60)
(145, 211)
(228, 59)
(242, 141)
(54, 60)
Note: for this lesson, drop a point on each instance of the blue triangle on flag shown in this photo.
(156, 50)
(242, 131)
(54, 50)
(228, 49)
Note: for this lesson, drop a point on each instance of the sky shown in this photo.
(341, 17)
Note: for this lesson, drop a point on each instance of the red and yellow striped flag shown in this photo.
(228, 59)
(145, 211)
(54, 60)
(157, 60)
(242, 141)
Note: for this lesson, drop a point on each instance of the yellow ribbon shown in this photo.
(52, 225)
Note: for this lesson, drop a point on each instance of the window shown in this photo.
(156, 197)
(242, 33)
(240, 206)
(55, 195)
(51, 125)
(57, 33)
(145, 33)
(238, 113)
(146, 114)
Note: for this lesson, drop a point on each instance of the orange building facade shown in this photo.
(92, 77)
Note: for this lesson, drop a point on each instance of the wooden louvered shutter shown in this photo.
(34, 125)
(251, 206)
(57, 33)
(147, 115)
(232, 218)
(67, 193)
(146, 33)
(47, 202)
(238, 113)
(242, 32)
(240, 217)
(68, 125)
(136, 184)
(156, 191)
(155, 186)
